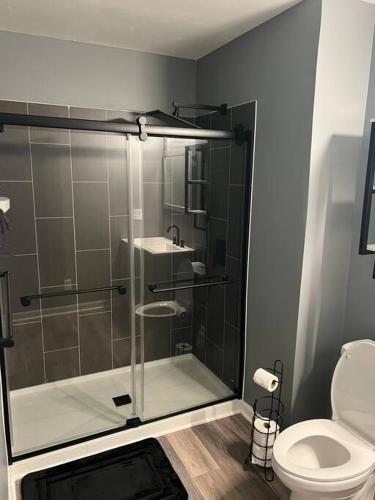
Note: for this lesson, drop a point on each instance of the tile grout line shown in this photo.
(57, 217)
(57, 286)
(93, 250)
(75, 249)
(110, 240)
(15, 180)
(36, 247)
(62, 349)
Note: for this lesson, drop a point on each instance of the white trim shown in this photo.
(245, 409)
(154, 429)
(249, 247)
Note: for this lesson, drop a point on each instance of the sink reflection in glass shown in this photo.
(159, 245)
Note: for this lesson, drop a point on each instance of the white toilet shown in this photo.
(335, 459)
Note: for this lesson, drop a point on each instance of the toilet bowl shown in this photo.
(335, 459)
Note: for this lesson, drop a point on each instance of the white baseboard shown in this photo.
(154, 429)
(245, 409)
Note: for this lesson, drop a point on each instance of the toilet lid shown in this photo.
(353, 389)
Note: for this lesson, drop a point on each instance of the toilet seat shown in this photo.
(322, 451)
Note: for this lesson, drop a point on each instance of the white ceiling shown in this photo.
(182, 28)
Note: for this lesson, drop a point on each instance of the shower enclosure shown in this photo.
(122, 274)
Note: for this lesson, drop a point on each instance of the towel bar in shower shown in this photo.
(26, 299)
(223, 280)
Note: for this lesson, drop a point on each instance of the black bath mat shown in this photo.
(138, 471)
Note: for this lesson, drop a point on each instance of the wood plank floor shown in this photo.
(208, 459)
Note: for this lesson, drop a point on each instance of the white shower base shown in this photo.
(53, 413)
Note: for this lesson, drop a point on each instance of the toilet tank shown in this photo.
(353, 389)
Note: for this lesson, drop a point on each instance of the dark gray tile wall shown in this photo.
(68, 214)
(218, 311)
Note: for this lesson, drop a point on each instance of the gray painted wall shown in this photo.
(275, 64)
(346, 38)
(38, 69)
(360, 310)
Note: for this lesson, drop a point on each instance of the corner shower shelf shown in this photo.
(197, 212)
(158, 245)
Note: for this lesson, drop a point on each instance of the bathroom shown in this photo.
(185, 197)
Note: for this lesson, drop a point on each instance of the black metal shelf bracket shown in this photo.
(222, 109)
(26, 299)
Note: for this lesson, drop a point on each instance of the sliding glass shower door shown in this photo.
(121, 273)
(179, 278)
(69, 374)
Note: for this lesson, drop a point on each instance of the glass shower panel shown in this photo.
(69, 374)
(170, 225)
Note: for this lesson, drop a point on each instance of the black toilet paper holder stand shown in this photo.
(267, 408)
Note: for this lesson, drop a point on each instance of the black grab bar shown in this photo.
(26, 299)
(224, 280)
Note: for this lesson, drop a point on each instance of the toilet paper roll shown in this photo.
(262, 454)
(259, 456)
(262, 428)
(265, 379)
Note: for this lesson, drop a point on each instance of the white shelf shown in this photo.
(371, 247)
(158, 245)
